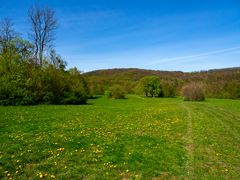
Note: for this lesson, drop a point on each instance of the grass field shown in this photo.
(137, 138)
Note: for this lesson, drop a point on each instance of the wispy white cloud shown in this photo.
(195, 56)
(82, 19)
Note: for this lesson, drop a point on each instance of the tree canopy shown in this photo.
(151, 86)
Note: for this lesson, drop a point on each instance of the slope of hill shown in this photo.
(136, 73)
(221, 83)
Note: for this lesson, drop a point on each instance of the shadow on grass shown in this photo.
(118, 98)
(87, 104)
(95, 97)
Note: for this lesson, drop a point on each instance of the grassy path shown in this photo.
(189, 143)
(216, 139)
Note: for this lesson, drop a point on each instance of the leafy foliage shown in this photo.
(25, 83)
(150, 85)
(169, 87)
(116, 92)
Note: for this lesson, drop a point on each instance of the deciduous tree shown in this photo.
(43, 26)
(151, 85)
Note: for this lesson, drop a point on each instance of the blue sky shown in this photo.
(185, 35)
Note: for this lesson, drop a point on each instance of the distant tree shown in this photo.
(24, 49)
(56, 60)
(8, 46)
(11, 44)
(116, 92)
(193, 92)
(43, 26)
(236, 92)
(74, 71)
(7, 34)
(96, 86)
(150, 85)
(169, 88)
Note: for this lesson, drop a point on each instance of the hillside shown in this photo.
(132, 73)
(220, 83)
(136, 74)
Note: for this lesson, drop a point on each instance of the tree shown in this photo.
(56, 60)
(24, 48)
(151, 85)
(8, 49)
(169, 87)
(7, 34)
(43, 24)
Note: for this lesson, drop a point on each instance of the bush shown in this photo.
(193, 92)
(16, 89)
(26, 85)
(116, 92)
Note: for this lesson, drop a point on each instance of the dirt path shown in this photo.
(189, 143)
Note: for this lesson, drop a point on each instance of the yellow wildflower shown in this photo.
(61, 149)
(52, 176)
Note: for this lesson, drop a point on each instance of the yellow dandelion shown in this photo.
(52, 176)
(61, 149)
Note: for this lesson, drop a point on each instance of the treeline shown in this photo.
(31, 72)
(222, 83)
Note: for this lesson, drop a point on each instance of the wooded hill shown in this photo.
(219, 83)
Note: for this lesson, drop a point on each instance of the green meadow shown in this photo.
(132, 138)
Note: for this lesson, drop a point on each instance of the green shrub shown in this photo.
(26, 85)
(116, 92)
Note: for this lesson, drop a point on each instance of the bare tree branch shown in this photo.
(7, 34)
(43, 29)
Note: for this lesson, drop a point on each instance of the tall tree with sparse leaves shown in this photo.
(43, 26)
